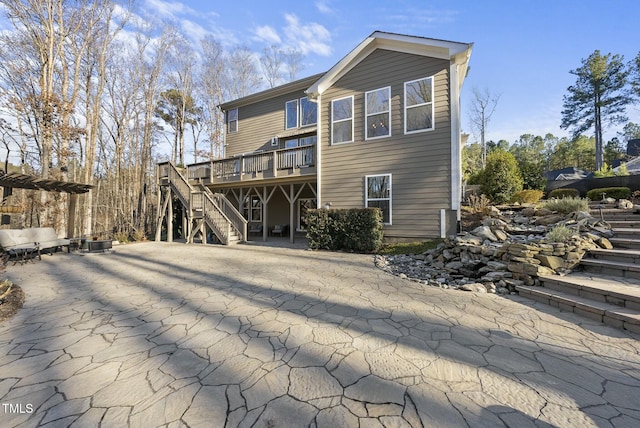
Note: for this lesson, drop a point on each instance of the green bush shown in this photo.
(559, 233)
(564, 193)
(527, 196)
(566, 205)
(605, 171)
(356, 229)
(623, 171)
(532, 175)
(610, 192)
(501, 177)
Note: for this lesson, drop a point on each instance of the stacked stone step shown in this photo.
(624, 221)
(606, 285)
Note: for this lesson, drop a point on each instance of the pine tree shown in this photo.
(598, 95)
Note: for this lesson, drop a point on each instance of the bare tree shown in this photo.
(180, 76)
(100, 50)
(211, 82)
(243, 77)
(483, 105)
(271, 60)
(293, 63)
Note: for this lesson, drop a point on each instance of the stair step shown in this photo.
(628, 243)
(616, 255)
(614, 315)
(624, 224)
(626, 232)
(616, 216)
(611, 268)
(623, 292)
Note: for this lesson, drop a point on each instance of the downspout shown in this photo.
(456, 150)
(318, 100)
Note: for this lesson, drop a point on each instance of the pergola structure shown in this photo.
(11, 180)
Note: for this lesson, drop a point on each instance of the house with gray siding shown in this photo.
(381, 129)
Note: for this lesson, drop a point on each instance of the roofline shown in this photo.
(271, 92)
(456, 52)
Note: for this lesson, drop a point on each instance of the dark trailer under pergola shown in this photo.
(11, 180)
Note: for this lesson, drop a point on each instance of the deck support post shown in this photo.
(291, 198)
(170, 217)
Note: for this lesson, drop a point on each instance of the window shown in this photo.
(291, 112)
(378, 194)
(378, 113)
(232, 121)
(342, 120)
(418, 105)
(308, 112)
(305, 115)
(253, 208)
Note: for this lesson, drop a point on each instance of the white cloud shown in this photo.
(323, 7)
(267, 34)
(192, 31)
(308, 37)
(167, 8)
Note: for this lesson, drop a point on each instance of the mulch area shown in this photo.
(11, 303)
(470, 221)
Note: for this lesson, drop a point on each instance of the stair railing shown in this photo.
(221, 203)
(217, 210)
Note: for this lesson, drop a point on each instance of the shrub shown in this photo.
(501, 177)
(122, 237)
(566, 205)
(623, 171)
(527, 196)
(356, 229)
(605, 171)
(559, 233)
(532, 175)
(478, 204)
(475, 178)
(138, 235)
(609, 192)
(564, 193)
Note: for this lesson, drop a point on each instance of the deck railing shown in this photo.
(266, 163)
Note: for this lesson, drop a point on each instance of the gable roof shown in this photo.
(456, 52)
(270, 93)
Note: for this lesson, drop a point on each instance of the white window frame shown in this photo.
(286, 115)
(432, 103)
(301, 114)
(333, 121)
(249, 207)
(390, 198)
(367, 114)
(229, 131)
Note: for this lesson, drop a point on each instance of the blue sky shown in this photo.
(523, 49)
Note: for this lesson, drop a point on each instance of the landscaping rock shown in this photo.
(506, 251)
(625, 204)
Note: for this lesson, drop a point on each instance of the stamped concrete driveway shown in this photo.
(173, 335)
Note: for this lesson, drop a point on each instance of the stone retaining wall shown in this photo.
(510, 248)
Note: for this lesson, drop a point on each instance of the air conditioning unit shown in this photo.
(274, 142)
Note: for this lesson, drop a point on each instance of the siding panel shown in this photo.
(420, 163)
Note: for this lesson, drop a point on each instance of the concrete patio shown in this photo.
(168, 334)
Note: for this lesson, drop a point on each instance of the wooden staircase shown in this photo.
(203, 208)
(606, 287)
